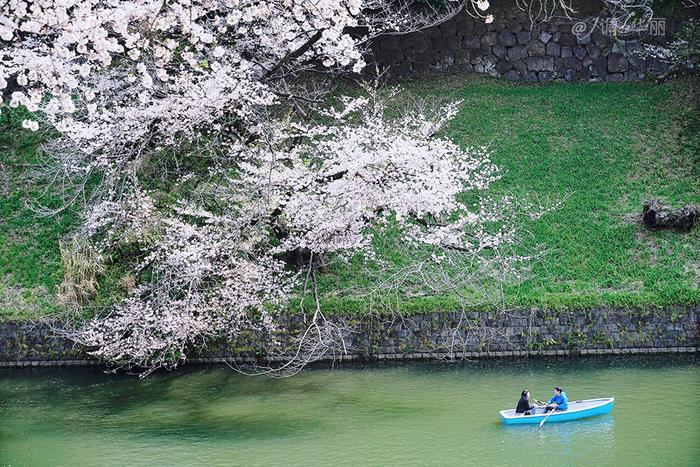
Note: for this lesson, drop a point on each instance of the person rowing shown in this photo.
(559, 401)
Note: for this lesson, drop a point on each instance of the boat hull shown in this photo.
(577, 410)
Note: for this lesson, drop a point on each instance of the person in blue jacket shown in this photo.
(559, 401)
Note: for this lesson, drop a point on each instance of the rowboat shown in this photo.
(578, 409)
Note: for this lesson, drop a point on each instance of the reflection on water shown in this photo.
(600, 427)
(413, 414)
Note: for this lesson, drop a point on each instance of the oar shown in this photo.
(545, 418)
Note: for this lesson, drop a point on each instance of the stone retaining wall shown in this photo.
(425, 336)
(513, 48)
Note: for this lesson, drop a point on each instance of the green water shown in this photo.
(414, 414)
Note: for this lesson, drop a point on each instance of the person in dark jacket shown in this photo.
(525, 407)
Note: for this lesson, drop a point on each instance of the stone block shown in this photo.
(579, 52)
(410, 55)
(454, 42)
(506, 38)
(517, 53)
(461, 56)
(465, 26)
(524, 37)
(512, 75)
(514, 26)
(566, 52)
(540, 63)
(570, 74)
(422, 45)
(434, 31)
(583, 39)
(547, 27)
(530, 77)
(499, 51)
(395, 56)
(390, 42)
(600, 65)
(407, 41)
(502, 66)
(520, 66)
(567, 39)
(593, 51)
(617, 63)
(472, 42)
(545, 76)
(585, 74)
(535, 48)
(553, 49)
(545, 37)
(489, 38)
(448, 28)
(571, 63)
(600, 40)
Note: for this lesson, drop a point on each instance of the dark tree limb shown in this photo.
(656, 216)
(295, 54)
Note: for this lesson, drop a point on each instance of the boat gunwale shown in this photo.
(604, 401)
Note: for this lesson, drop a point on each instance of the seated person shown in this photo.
(559, 401)
(524, 405)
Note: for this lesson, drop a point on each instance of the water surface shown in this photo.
(416, 414)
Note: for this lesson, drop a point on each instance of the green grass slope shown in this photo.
(607, 147)
(30, 259)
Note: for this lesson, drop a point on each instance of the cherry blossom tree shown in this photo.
(140, 88)
(301, 189)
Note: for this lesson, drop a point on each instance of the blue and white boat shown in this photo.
(578, 409)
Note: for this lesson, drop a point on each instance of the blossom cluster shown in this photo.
(366, 168)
